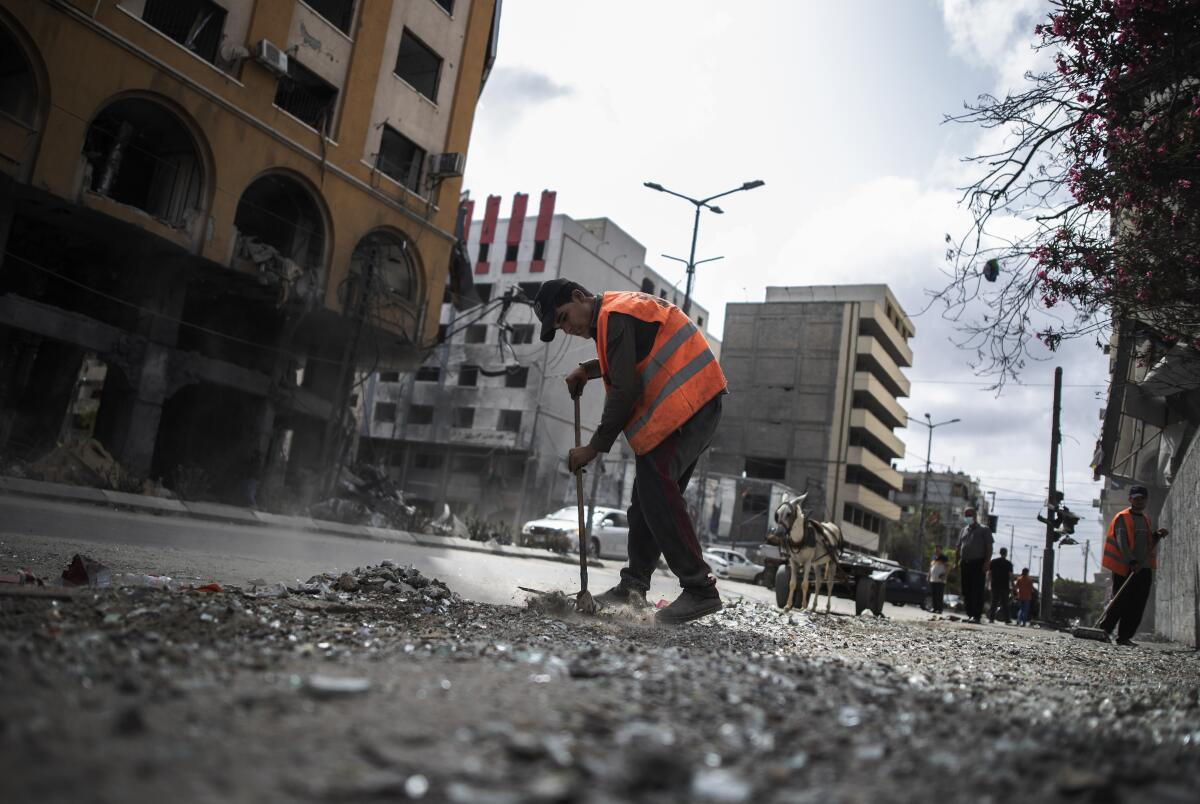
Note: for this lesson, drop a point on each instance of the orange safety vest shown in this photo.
(1112, 560)
(679, 376)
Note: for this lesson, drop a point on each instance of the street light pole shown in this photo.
(928, 423)
(699, 203)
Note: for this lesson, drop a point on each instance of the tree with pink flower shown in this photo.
(1102, 170)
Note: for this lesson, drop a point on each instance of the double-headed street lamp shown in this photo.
(925, 486)
(699, 203)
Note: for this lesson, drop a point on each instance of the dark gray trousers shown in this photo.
(659, 524)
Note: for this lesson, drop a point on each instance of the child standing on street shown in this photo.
(1024, 587)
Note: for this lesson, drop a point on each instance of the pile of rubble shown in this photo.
(386, 578)
(366, 496)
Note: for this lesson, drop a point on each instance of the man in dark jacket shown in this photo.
(974, 552)
(663, 389)
(1000, 577)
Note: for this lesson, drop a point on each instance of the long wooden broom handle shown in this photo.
(579, 496)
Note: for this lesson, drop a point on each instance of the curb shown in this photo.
(219, 512)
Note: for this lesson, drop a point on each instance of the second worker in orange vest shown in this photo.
(663, 389)
(1130, 554)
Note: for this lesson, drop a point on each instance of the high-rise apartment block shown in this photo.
(815, 377)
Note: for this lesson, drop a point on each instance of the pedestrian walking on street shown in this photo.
(663, 389)
(974, 552)
(939, 571)
(1024, 589)
(1000, 576)
(1130, 553)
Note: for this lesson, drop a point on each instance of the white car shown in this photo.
(560, 532)
(732, 564)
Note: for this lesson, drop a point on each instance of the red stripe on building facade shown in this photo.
(542, 233)
(487, 232)
(516, 223)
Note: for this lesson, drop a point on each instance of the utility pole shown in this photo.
(1087, 549)
(1029, 555)
(1052, 502)
(1012, 536)
(928, 423)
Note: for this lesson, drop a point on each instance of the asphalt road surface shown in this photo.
(44, 534)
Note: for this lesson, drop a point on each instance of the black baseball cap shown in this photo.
(549, 297)
(1138, 491)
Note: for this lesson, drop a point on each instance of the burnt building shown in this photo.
(224, 209)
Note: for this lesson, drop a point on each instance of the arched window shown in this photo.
(18, 86)
(139, 153)
(277, 211)
(392, 258)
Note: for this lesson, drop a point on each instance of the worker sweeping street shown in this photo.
(1130, 553)
(663, 389)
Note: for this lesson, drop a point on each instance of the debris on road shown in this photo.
(86, 571)
(401, 688)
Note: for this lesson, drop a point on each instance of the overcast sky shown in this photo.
(838, 108)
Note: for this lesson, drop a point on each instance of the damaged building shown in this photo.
(214, 212)
(485, 423)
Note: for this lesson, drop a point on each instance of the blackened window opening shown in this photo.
(517, 378)
(195, 24)
(385, 412)
(539, 249)
(140, 154)
(521, 333)
(766, 468)
(420, 414)
(484, 252)
(468, 376)
(304, 95)
(401, 158)
(339, 12)
(510, 421)
(510, 252)
(419, 65)
(18, 87)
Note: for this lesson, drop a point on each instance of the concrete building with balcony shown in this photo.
(948, 494)
(815, 376)
(231, 205)
(485, 423)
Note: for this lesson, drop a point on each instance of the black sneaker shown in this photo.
(1129, 643)
(687, 607)
(621, 595)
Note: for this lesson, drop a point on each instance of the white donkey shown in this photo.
(809, 546)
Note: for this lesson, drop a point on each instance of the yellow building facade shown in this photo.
(235, 205)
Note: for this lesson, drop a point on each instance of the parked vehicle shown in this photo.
(610, 534)
(733, 564)
(909, 586)
(852, 566)
(559, 532)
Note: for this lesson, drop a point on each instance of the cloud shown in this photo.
(512, 92)
(996, 34)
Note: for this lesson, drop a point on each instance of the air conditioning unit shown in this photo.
(271, 57)
(443, 165)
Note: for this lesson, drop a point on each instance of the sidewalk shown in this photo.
(218, 512)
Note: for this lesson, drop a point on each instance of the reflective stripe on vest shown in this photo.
(679, 376)
(1113, 559)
